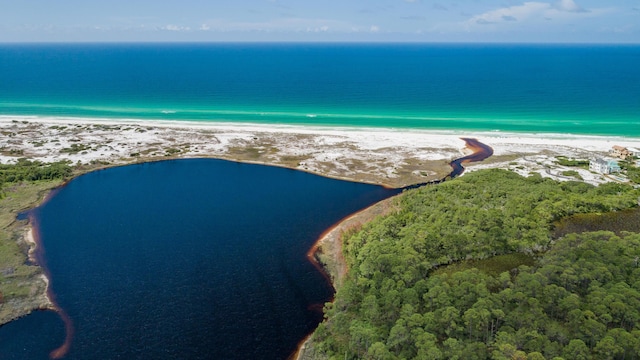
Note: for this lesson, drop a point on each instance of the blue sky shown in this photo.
(543, 21)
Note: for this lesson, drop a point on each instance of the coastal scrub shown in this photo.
(398, 299)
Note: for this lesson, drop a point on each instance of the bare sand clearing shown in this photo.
(393, 157)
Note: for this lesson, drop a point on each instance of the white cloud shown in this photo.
(519, 12)
(532, 11)
(287, 24)
(172, 27)
(204, 27)
(569, 5)
(374, 29)
(318, 29)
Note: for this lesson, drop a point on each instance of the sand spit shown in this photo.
(44, 301)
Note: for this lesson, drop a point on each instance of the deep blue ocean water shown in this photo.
(185, 259)
(581, 89)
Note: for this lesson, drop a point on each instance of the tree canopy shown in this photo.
(581, 298)
(27, 170)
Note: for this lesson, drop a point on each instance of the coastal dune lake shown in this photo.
(184, 259)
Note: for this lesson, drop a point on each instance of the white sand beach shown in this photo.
(393, 157)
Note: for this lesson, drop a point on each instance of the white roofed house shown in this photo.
(634, 152)
(598, 165)
(604, 166)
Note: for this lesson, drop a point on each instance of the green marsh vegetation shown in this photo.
(22, 185)
(572, 173)
(565, 161)
(469, 269)
(30, 171)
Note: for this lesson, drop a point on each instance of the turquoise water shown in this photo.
(585, 89)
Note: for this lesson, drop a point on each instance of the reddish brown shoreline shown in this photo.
(334, 233)
(480, 152)
(40, 258)
(348, 222)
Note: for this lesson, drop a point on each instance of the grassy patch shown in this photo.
(75, 148)
(618, 222)
(11, 152)
(293, 161)
(565, 161)
(246, 152)
(572, 173)
(97, 163)
(19, 282)
(172, 151)
(493, 266)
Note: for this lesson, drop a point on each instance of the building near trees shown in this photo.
(620, 152)
(604, 166)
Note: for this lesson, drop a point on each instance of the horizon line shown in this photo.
(381, 42)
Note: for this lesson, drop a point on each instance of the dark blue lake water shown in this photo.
(186, 259)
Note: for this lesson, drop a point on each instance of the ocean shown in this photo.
(577, 89)
(184, 259)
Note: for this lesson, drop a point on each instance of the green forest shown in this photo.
(28, 171)
(415, 288)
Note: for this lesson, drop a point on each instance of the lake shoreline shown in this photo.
(393, 158)
(326, 253)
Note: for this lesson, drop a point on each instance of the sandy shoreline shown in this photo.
(33, 246)
(393, 157)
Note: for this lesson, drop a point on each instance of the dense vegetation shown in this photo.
(581, 299)
(631, 170)
(27, 170)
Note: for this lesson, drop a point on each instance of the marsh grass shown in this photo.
(20, 282)
(616, 221)
(493, 266)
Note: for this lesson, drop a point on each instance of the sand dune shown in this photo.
(394, 157)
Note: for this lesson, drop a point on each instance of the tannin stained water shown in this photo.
(188, 259)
